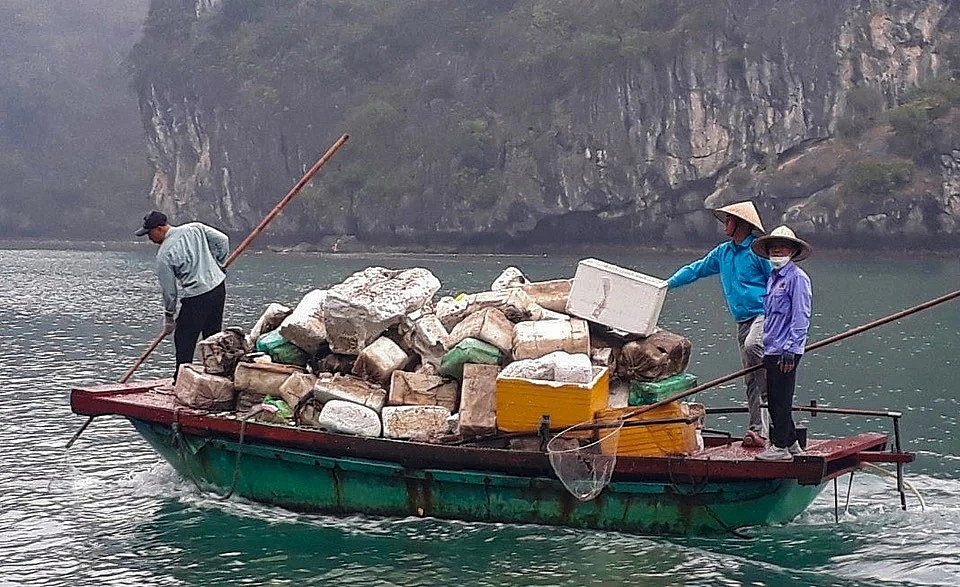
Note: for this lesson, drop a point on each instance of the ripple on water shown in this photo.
(110, 512)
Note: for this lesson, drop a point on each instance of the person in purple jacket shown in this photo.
(786, 308)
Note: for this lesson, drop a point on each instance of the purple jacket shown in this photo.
(787, 308)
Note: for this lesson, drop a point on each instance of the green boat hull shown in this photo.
(304, 481)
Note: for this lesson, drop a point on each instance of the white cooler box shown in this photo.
(616, 297)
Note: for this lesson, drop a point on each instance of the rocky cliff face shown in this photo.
(632, 150)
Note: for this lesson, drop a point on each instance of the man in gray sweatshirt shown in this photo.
(190, 256)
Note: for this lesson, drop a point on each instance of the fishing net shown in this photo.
(583, 457)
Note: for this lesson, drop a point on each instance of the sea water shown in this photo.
(110, 512)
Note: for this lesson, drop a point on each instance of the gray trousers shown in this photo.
(750, 341)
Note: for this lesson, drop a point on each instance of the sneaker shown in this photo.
(752, 439)
(795, 449)
(775, 453)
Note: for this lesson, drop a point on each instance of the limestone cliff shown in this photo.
(529, 122)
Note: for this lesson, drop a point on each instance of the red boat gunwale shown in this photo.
(823, 459)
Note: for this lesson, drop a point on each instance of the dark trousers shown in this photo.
(202, 314)
(780, 388)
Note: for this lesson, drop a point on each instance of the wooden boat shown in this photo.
(718, 489)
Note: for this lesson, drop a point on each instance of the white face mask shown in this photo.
(779, 262)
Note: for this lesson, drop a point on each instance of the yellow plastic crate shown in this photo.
(675, 438)
(521, 402)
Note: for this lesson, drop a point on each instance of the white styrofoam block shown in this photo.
(570, 367)
(536, 338)
(350, 389)
(556, 366)
(511, 277)
(379, 359)
(203, 391)
(529, 369)
(616, 297)
(357, 311)
(271, 319)
(349, 418)
(304, 326)
(414, 422)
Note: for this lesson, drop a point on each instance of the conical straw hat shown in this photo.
(761, 246)
(742, 210)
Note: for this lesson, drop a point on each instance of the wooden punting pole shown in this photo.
(810, 347)
(286, 200)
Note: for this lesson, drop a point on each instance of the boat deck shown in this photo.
(722, 459)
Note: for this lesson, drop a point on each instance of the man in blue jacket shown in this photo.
(743, 276)
(190, 256)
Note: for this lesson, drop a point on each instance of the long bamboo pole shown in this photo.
(143, 357)
(811, 347)
(286, 199)
(233, 256)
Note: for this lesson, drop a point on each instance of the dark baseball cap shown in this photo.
(151, 221)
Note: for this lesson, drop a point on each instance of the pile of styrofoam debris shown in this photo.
(376, 355)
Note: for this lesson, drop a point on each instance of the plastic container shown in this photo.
(616, 297)
(670, 429)
(650, 392)
(521, 402)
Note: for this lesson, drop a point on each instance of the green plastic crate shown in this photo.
(650, 392)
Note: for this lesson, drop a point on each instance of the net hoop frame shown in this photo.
(607, 445)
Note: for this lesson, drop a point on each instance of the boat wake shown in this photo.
(875, 542)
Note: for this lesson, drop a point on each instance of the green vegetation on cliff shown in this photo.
(539, 119)
(490, 120)
(433, 93)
